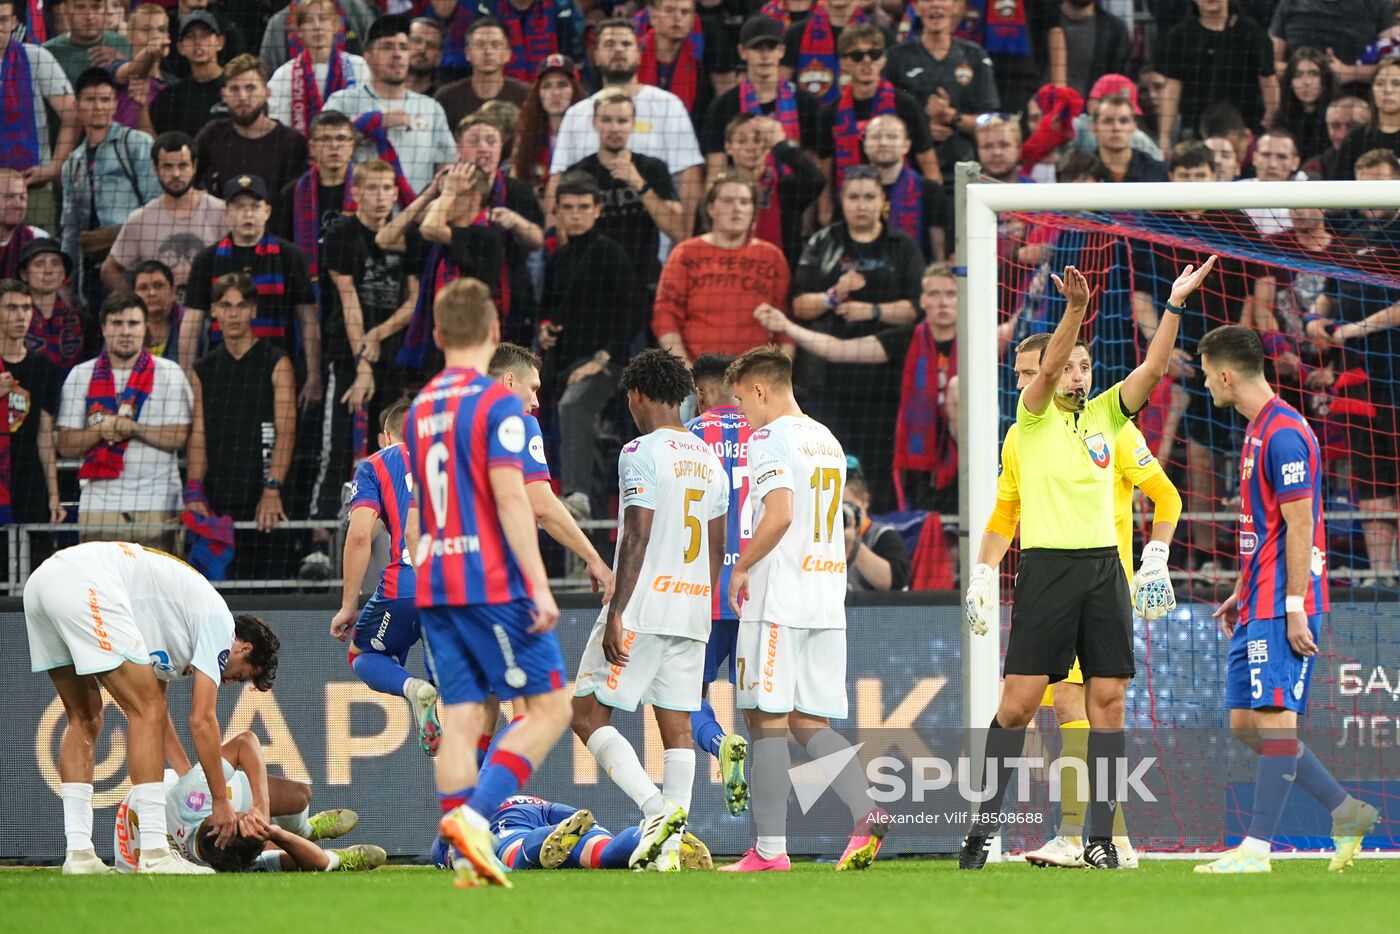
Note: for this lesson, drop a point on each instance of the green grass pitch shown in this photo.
(895, 895)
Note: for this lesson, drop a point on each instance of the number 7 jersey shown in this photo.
(801, 583)
(677, 476)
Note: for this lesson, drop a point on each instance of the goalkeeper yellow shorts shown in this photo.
(1075, 676)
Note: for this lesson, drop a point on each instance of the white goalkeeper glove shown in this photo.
(980, 604)
(1153, 597)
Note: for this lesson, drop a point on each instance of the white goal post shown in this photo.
(979, 430)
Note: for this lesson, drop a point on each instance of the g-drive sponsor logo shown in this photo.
(893, 780)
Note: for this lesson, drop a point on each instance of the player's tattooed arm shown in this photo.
(636, 535)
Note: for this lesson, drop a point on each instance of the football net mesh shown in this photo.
(1305, 279)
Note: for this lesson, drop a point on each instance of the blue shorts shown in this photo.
(1264, 671)
(487, 649)
(724, 634)
(388, 627)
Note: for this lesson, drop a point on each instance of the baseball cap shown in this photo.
(1111, 84)
(391, 24)
(41, 245)
(557, 62)
(760, 28)
(249, 184)
(200, 18)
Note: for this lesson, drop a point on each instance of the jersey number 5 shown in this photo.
(435, 466)
(823, 479)
(692, 524)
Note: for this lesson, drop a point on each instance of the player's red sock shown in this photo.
(450, 800)
(505, 774)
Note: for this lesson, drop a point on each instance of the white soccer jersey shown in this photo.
(801, 583)
(676, 475)
(188, 803)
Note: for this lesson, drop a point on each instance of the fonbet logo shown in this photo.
(888, 784)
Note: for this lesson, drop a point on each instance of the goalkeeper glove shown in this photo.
(1153, 597)
(980, 604)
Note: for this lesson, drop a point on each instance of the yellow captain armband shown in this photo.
(1005, 515)
(1166, 501)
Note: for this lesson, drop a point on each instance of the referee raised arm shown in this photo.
(1071, 594)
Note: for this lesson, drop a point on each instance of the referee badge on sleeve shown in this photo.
(1098, 449)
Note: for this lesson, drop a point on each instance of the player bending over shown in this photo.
(387, 628)
(1133, 466)
(277, 809)
(648, 645)
(789, 590)
(130, 619)
(1071, 594)
(533, 833)
(1274, 617)
(722, 427)
(483, 596)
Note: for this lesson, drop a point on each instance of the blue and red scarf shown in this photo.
(36, 28)
(307, 97)
(906, 204)
(19, 126)
(9, 253)
(268, 284)
(683, 77)
(371, 125)
(818, 67)
(306, 218)
(923, 440)
(848, 130)
(1000, 29)
(785, 110)
(105, 460)
(533, 36)
(777, 10)
(294, 44)
(58, 337)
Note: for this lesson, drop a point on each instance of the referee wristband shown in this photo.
(1292, 604)
(1176, 309)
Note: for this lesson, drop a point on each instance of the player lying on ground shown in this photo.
(130, 619)
(789, 590)
(533, 833)
(482, 592)
(1133, 466)
(648, 645)
(722, 427)
(381, 495)
(1274, 617)
(276, 812)
(1071, 595)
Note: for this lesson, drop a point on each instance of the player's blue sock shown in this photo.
(706, 729)
(448, 800)
(486, 743)
(380, 672)
(1277, 763)
(528, 855)
(618, 850)
(441, 854)
(504, 774)
(1312, 776)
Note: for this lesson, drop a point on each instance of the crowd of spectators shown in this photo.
(222, 226)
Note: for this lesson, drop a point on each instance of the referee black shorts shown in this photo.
(1071, 602)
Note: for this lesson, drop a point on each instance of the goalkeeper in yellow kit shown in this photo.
(1153, 598)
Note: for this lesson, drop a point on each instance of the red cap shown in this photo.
(1109, 85)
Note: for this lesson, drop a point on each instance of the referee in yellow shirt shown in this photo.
(1071, 596)
(1134, 466)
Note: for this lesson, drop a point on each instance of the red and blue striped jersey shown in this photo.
(1281, 463)
(536, 467)
(726, 433)
(382, 483)
(460, 426)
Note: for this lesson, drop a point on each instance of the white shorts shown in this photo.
(187, 804)
(664, 671)
(782, 669)
(81, 616)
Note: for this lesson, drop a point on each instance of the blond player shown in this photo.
(1134, 467)
(648, 646)
(789, 591)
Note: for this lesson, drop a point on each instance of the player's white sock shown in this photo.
(849, 783)
(1338, 811)
(619, 760)
(771, 847)
(148, 801)
(297, 823)
(332, 861)
(410, 687)
(77, 814)
(677, 781)
(1257, 846)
